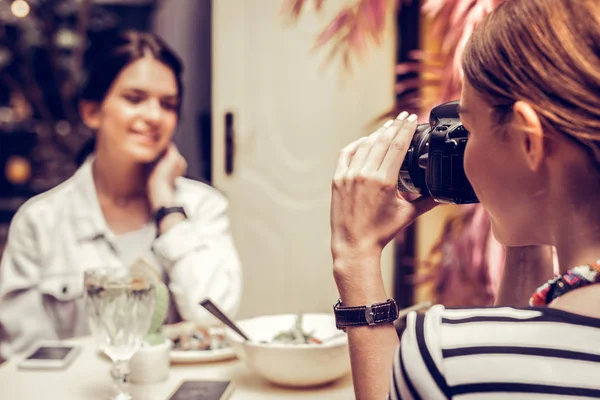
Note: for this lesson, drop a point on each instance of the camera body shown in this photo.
(434, 165)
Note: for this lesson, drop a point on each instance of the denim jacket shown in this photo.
(57, 235)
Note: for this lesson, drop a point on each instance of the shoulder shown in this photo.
(439, 326)
(446, 352)
(45, 205)
(38, 216)
(431, 338)
(487, 314)
(443, 331)
(191, 187)
(198, 195)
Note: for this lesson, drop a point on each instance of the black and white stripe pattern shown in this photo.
(496, 353)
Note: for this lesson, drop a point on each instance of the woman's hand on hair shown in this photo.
(161, 182)
(367, 210)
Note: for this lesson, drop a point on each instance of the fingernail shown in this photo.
(389, 123)
(412, 118)
(402, 115)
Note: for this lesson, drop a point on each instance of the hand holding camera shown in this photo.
(367, 210)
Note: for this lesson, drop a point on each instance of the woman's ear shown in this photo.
(531, 137)
(90, 113)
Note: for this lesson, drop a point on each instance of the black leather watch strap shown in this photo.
(375, 314)
(164, 211)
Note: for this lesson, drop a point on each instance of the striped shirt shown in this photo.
(497, 353)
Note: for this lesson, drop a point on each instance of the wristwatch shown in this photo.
(164, 211)
(374, 314)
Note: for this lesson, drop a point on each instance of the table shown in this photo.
(88, 378)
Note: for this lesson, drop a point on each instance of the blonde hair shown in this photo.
(547, 53)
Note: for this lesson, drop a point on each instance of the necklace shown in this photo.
(574, 278)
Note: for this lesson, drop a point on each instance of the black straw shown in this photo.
(214, 310)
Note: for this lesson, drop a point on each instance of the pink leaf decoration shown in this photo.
(352, 26)
(333, 28)
(453, 22)
(372, 16)
(460, 11)
(292, 7)
(378, 10)
(411, 67)
(356, 39)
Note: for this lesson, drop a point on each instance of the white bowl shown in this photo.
(296, 365)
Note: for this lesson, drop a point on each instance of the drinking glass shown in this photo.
(119, 304)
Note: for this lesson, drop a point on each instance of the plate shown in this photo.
(197, 356)
(185, 329)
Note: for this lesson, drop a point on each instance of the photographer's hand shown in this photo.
(367, 211)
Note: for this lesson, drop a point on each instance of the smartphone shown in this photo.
(203, 390)
(50, 355)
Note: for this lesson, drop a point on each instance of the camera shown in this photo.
(433, 165)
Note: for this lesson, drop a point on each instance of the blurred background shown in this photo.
(273, 90)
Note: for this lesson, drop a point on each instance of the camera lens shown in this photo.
(411, 178)
(434, 162)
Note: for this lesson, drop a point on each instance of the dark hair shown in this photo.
(109, 54)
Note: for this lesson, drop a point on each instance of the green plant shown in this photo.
(155, 336)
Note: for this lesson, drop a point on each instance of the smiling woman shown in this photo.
(128, 200)
(135, 88)
(141, 110)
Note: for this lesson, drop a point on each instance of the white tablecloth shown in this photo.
(88, 378)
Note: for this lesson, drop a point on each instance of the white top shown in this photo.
(130, 246)
(57, 235)
(497, 353)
